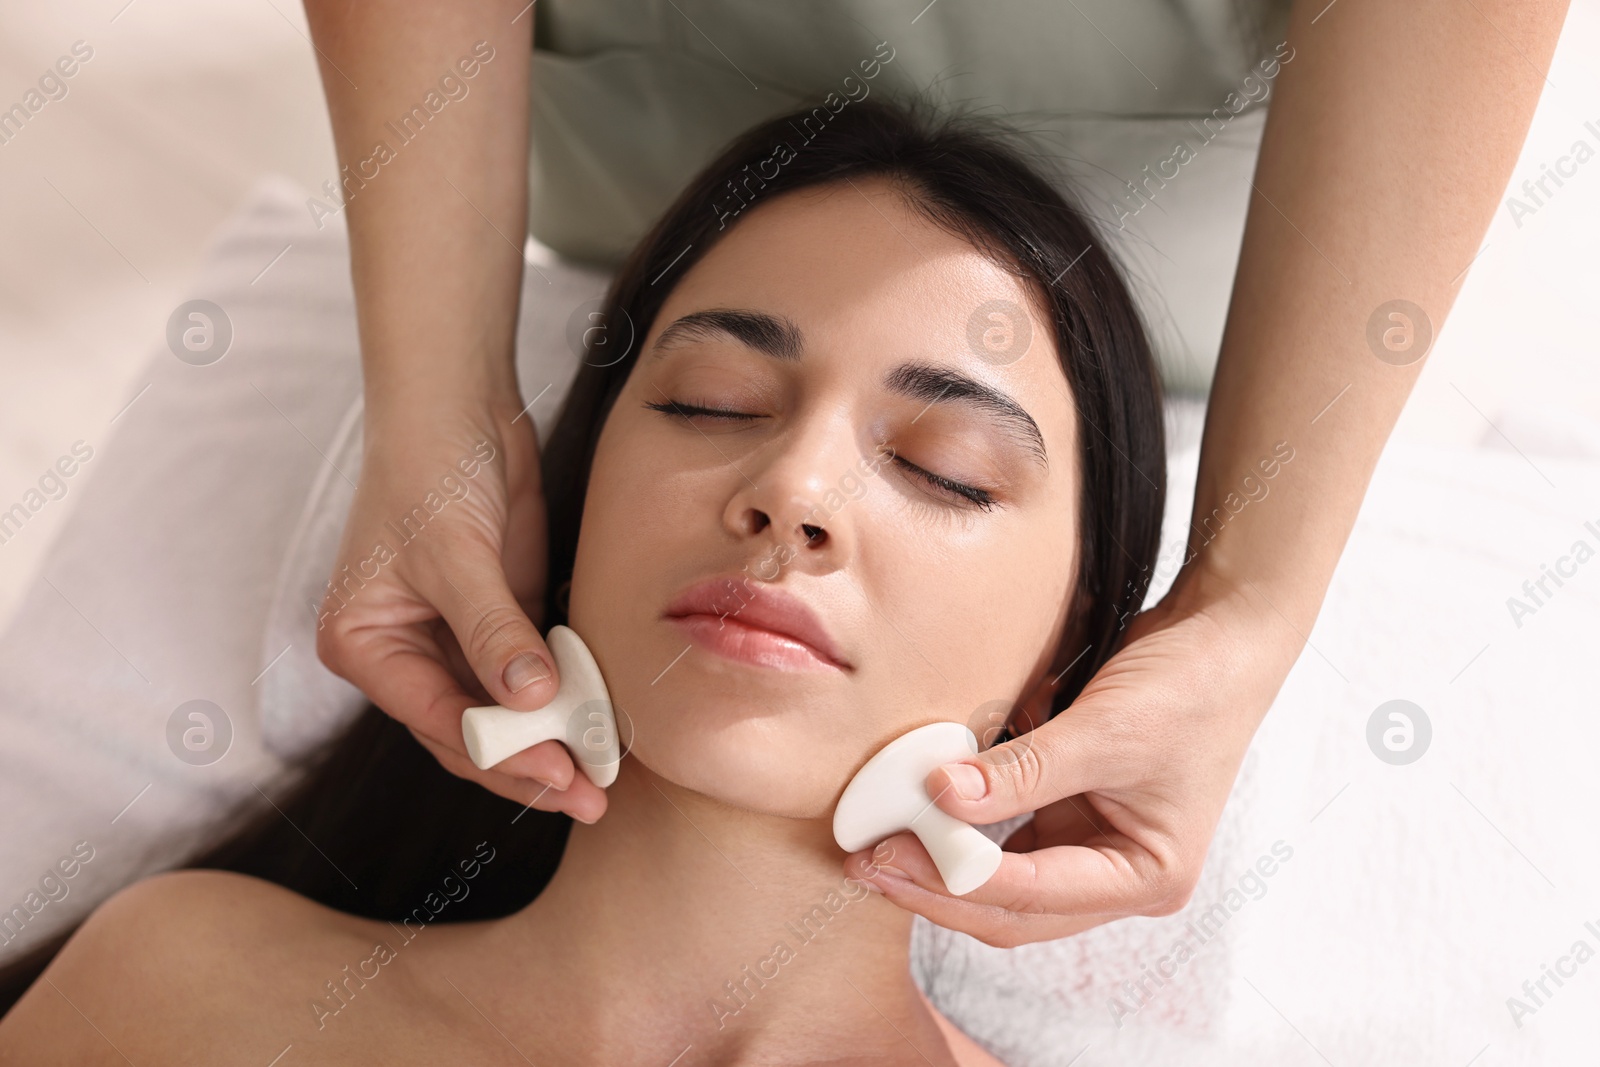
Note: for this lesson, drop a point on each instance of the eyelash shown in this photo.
(971, 495)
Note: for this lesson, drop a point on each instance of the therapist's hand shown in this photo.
(441, 627)
(1127, 783)
(438, 286)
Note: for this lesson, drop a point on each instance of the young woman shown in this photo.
(808, 491)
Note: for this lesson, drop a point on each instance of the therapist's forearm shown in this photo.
(436, 232)
(1392, 134)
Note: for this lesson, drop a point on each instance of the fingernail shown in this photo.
(524, 671)
(871, 885)
(966, 780)
(890, 872)
(586, 822)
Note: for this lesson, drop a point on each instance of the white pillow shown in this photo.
(156, 591)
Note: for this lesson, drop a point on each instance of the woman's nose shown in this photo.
(796, 492)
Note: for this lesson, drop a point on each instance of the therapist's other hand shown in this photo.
(438, 625)
(1127, 783)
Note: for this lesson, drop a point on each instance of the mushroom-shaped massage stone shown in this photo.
(887, 796)
(579, 716)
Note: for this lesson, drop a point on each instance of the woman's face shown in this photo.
(901, 471)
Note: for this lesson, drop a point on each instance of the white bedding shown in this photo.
(1416, 900)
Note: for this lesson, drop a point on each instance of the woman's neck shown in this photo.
(699, 924)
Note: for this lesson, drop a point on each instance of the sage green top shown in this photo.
(632, 97)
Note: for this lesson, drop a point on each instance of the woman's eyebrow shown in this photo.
(773, 335)
(780, 338)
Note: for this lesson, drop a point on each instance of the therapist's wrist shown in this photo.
(1253, 579)
(420, 427)
(1255, 637)
(403, 389)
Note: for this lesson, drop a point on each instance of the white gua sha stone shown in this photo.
(579, 716)
(887, 796)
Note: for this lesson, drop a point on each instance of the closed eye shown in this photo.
(971, 495)
(679, 407)
(980, 497)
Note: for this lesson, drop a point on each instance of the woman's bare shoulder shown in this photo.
(968, 1053)
(160, 963)
(183, 917)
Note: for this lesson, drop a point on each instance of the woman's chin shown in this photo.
(745, 764)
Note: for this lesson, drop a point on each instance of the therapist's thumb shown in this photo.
(498, 639)
(1022, 775)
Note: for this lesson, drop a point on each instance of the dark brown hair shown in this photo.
(382, 813)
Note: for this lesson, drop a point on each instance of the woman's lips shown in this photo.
(758, 624)
(727, 636)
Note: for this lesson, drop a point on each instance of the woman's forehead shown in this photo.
(856, 269)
